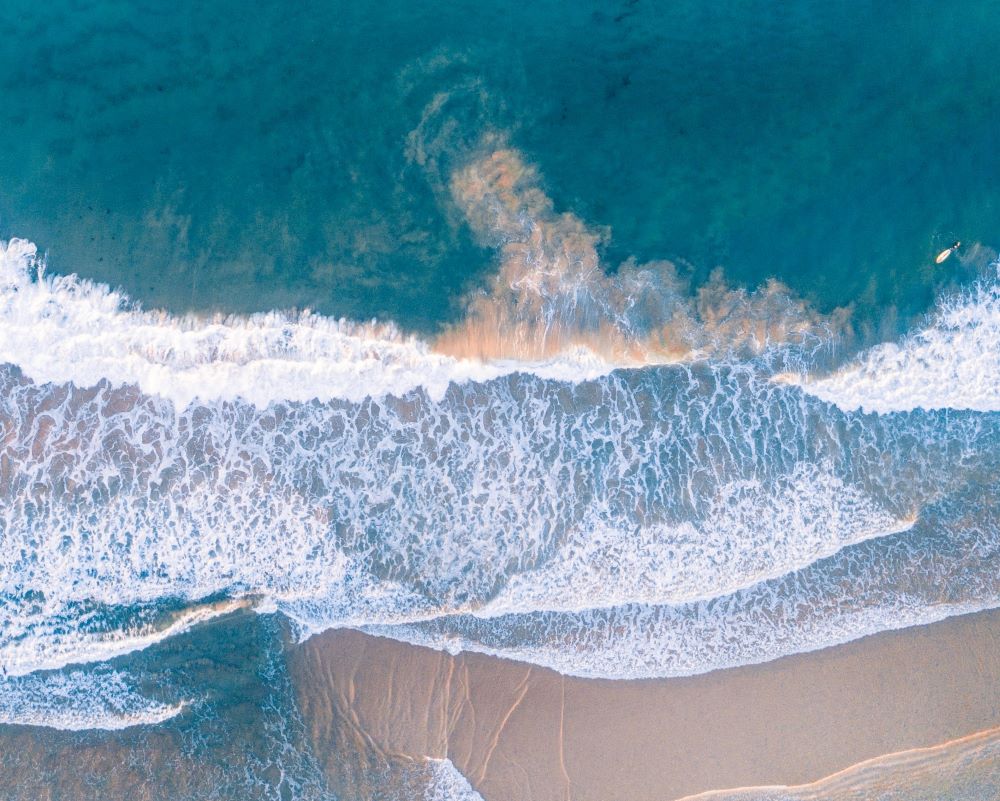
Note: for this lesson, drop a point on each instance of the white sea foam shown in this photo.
(572, 524)
(446, 783)
(631, 642)
(948, 564)
(59, 329)
(952, 363)
(751, 532)
(49, 639)
(76, 700)
(397, 511)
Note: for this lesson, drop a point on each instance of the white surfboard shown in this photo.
(944, 254)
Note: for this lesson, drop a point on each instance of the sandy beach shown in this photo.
(522, 732)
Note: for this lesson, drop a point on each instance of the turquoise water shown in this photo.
(205, 157)
(592, 455)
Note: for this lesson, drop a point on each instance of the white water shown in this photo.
(49, 639)
(447, 783)
(751, 532)
(402, 511)
(77, 700)
(659, 522)
(64, 329)
(952, 363)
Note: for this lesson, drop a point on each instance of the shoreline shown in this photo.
(891, 773)
(522, 732)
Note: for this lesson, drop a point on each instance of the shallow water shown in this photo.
(546, 428)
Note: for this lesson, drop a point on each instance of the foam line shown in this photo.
(487, 503)
(952, 363)
(808, 516)
(51, 644)
(77, 700)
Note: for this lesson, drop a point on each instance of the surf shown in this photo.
(950, 362)
(602, 455)
(389, 513)
(79, 701)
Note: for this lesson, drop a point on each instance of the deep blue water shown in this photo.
(205, 157)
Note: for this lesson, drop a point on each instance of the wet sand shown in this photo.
(528, 734)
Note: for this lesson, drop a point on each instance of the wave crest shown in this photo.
(951, 363)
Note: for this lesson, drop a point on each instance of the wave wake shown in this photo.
(514, 497)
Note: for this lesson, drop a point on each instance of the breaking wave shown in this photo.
(64, 329)
(951, 363)
(594, 472)
(78, 700)
(550, 311)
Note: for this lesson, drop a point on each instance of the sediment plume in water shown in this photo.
(551, 293)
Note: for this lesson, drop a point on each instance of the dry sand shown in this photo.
(522, 733)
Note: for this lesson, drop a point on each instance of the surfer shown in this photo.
(944, 254)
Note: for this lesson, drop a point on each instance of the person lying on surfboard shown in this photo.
(944, 254)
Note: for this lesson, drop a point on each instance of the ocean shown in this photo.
(604, 337)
